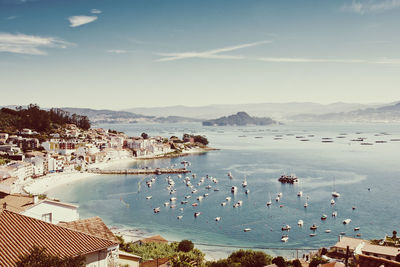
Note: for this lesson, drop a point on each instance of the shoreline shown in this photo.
(50, 181)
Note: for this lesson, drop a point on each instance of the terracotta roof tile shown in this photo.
(93, 226)
(154, 239)
(19, 233)
(16, 202)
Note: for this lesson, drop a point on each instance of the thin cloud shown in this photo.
(362, 7)
(391, 61)
(11, 17)
(81, 20)
(117, 51)
(96, 11)
(29, 44)
(210, 54)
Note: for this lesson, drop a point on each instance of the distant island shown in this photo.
(240, 119)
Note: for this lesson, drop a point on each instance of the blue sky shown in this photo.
(131, 53)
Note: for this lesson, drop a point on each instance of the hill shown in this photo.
(240, 118)
(387, 113)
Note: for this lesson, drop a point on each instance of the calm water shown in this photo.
(353, 168)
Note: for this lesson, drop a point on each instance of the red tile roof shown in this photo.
(93, 226)
(19, 233)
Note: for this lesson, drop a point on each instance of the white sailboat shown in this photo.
(244, 184)
(269, 203)
(334, 193)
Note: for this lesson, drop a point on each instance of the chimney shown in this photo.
(35, 199)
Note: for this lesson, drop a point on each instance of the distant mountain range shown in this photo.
(239, 119)
(279, 111)
(388, 113)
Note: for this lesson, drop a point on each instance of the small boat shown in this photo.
(156, 210)
(240, 202)
(332, 202)
(284, 238)
(184, 202)
(194, 191)
(324, 217)
(197, 214)
(223, 203)
(277, 199)
(216, 189)
(334, 214)
(233, 189)
(335, 194)
(228, 198)
(286, 228)
(358, 235)
(217, 219)
(166, 203)
(181, 209)
(247, 230)
(208, 187)
(281, 206)
(148, 197)
(172, 199)
(357, 229)
(346, 221)
(327, 231)
(188, 196)
(300, 223)
(305, 205)
(230, 175)
(244, 184)
(313, 234)
(353, 208)
(342, 233)
(269, 203)
(195, 204)
(280, 194)
(300, 193)
(236, 205)
(247, 192)
(172, 206)
(313, 227)
(179, 217)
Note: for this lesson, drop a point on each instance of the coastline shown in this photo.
(50, 181)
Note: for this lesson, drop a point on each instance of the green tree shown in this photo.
(316, 261)
(185, 246)
(38, 257)
(279, 261)
(250, 258)
(144, 135)
(398, 257)
(296, 263)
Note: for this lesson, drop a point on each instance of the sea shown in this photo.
(326, 157)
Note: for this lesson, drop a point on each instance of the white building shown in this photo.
(52, 211)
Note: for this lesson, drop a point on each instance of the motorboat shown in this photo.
(357, 229)
(208, 187)
(223, 203)
(172, 199)
(324, 217)
(305, 205)
(247, 230)
(247, 192)
(172, 206)
(234, 189)
(179, 217)
(314, 227)
(217, 219)
(346, 221)
(335, 194)
(188, 196)
(300, 193)
(300, 223)
(313, 234)
(240, 203)
(334, 214)
(148, 197)
(156, 210)
(195, 204)
(184, 202)
(280, 194)
(286, 228)
(327, 231)
(228, 198)
(277, 199)
(166, 203)
(269, 203)
(332, 202)
(197, 214)
(285, 238)
(205, 195)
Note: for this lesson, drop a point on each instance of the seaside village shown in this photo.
(33, 220)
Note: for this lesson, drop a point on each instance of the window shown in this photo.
(47, 217)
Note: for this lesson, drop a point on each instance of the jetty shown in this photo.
(140, 171)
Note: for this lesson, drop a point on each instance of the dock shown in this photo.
(157, 171)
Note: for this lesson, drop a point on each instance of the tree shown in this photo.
(185, 246)
(144, 135)
(296, 263)
(250, 258)
(38, 257)
(316, 261)
(398, 257)
(279, 261)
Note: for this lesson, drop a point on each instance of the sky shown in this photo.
(150, 53)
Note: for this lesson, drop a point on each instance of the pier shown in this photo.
(140, 171)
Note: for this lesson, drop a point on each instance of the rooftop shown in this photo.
(154, 239)
(383, 250)
(19, 233)
(93, 226)
(16, 202)
(349, 241)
